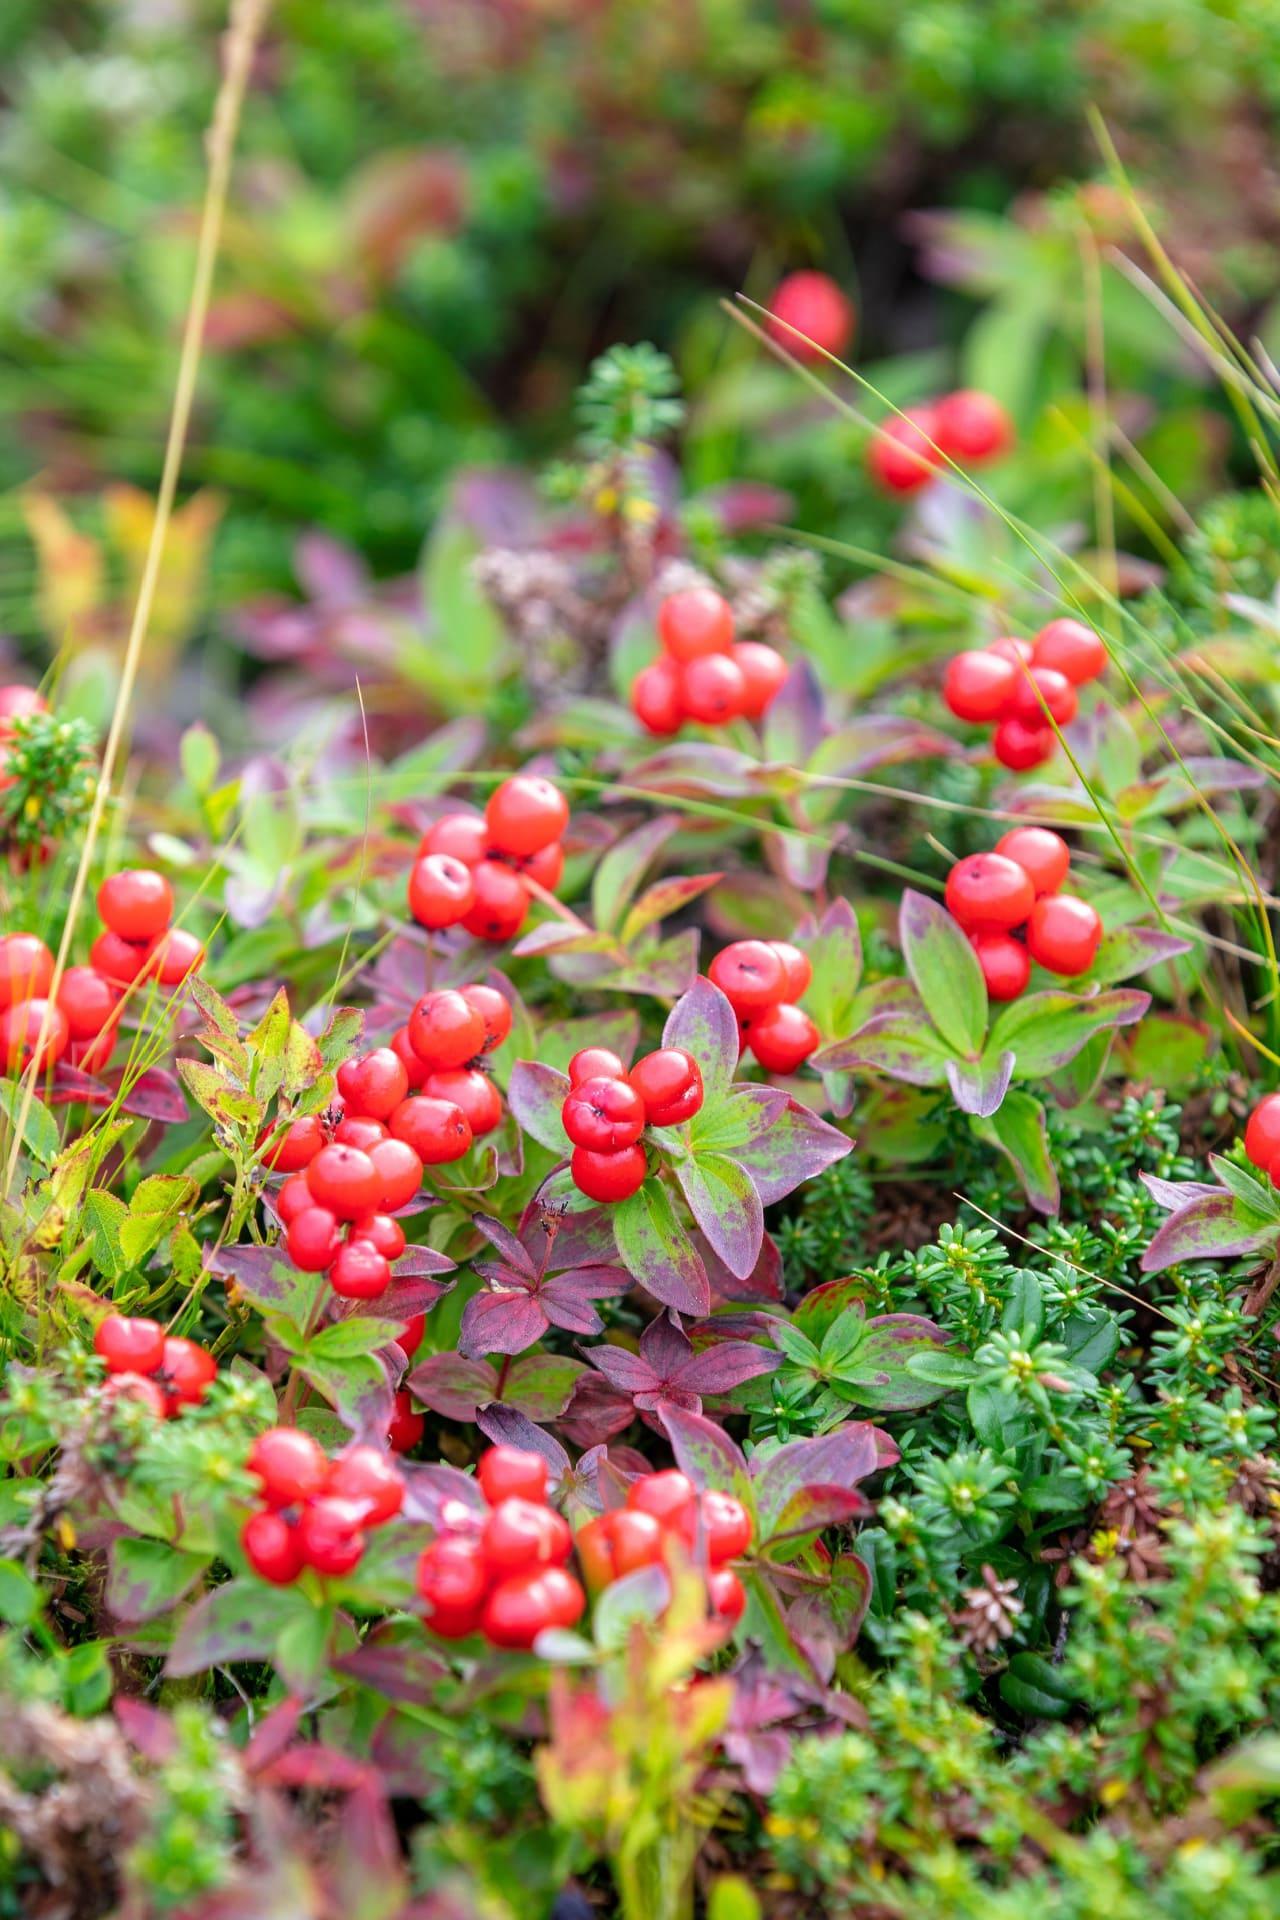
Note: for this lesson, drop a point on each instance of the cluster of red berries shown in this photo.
(702, 673)
(1020, 684)
(712, 1528)
(968, 426)
(607, 1109)
(1017, 885)
(315, 1511)
(417, 1103)
(762, 980)
(508, 1576)
(161, 1369)
(471, 871)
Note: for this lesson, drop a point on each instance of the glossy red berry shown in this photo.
(524, 1533)
(521, 1607)
(312, 1239)
(293, 1198)
(330, 1536)
(175, 955)
(713, 689)
(121, 961)
(810, 316)
(452, 1582)
(752, 975)
(407, 1424)
(608, 1177)
(289, 1465)
(988, 893)
(91, 1056)
(137, 903)
(725, 1526)
(512, 1473)
(21, 1044)
(373, 1083)
(603, 1115)
(441, 890)
(972, 427)
(399, 1172)
(546, 867)
(272, 1548)
(655, 697)
(88, 1001)
(782, 1037)
(359, 1271)
(26, 968)
(669, 1495)
(1070, 648)
(1063, 934)
(445, 1030)
(1009, 647)
(474, 1092)
(187, 1372)
(502, 901)
(357, 1131)
(1043, 855)
(369, 1479)
(1019, 746)
(592, 1063)
(415, 1070)
(525, 814)
(670, 1084)
(1005, 963)
(695, 623)
(293, 1145)
(345, 1180)
(494, 1010)
(797, 969)
(979, 684)
(412, 1334)
(437, 1130)
(900, 458)
(129, 1345)
(764, 674)
(1262, 1133)
(381, 1232)
(726, 1595)
(1042, 690)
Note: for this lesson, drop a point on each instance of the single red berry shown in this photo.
(445, 1030)
(415, 1070)
(345, 1180)
(655, 697)
(289, 1465)
(502, 901)
(462, 836)
(357, 1131)
(88, 1001)
(797, 969)
(1009, 647)
(187, 1371)
(19, 703)
(512, 1473)
(330, 1536)
(474, 1092)
(1006, 966)
(637, 1541)
(670, 1084)
(312, 1239)
(21, 1044)
(26, 968)
(407, 1425)
(373, 1083)
(137, 1386)
(441, 890)
(900, 458)
(1042, 690)
(988, 893)
(272, 1548)
(972, 427)
(810, 316)
(370, 1479)
(669, 1495)
(91, 1056)
(1071, 648)
(137, 903)
(520, 1608)
(782, 1038)
(546, 867)
(129, 1345)
(452, 1581)
(412, 1334)
(595, 1063)
(122, 961)
(293, 1198)
(1063, 934)
(174, 955)
(608, 1177)
(725, 1526)
(764, 674)
(437, 1130)
(593, 1545)
(1019, 746)
(1262, 1134)
(603, 1115)
(979, 684)
(695, 623)
(494, 1010)
(359, 1271)
(1043, 855)
(524, 1533)
(382, 1232)
(727, 1595)
(713, 689)
(752, 975)
(399, 1171)
(525, 814)
(294, 1144)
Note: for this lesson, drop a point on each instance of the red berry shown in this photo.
(695, 623)
(1070, 648)
(445, 1030)
(752, 975)
(441, 890)
(474, 1092)
(452, 1581)
(26, 968)
(415, 1069)
(820, 314)
(411, 1334)
(20, 1041)
(668, 1495)
(655, 697)
(900, 458)
(603, 1115)
(593, 1544)
(137, 903)
(359, 1271)
(726, 1526)
(1019, 746)
(782, 1038)
(524, 1533)
(1063, 934)
(670, 1084)
(502, 901)
(272, 1548)
(87, 1000)
(399, 1171)
(288, 1464)
(129, 1345)
(91, 1056)
(122, 961)
(764, 673)
(329, 1534)
(1262, 1134)
(187, 1372)
(595, 1063)
(1043, 690)
(407, 1424)
(356, 1131)
(19, 703)
(370, 1479)
(797, 969)
(512, 1473)
(136, 1386)
(546, 867)
(494, 1010)
(637, 1540)
(175, 955)
(1043, 855)
(608, 1177)
(520, 1608)
(373, 1083)
(345, 1180)
(462, 836)
(972, 427)
(713, 689)
(1016, 652)
(293, 1198)
(382, 1232)
(525, 814)
(727, 1595)
(293, 1145)
(1005, 964)
(312, 1239)
(979, 684)
(437, 1130)
(988, 893)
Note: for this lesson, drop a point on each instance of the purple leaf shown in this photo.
(898, 1041)
(764, 1282)
(835, 1615)
(409, 1673)
(838, 1459)
(878, 740)
(695, 769)
(1047, 1030)
(798, 1147)
(726, 1366)
(535, 1095)
(238, 1621)
(416, 1262)
(453, 1386)
(596, 1412)
(617, 877)
(629, 1372)
(813, 1507)
(506, 1427)
(1130, 950)
(705, 1025)
(1171, 1194)
(541, 1385)
(1212, 1227)
(979, 1086)
(155, 1095)
(442, 1497)
(723, 1200)
(506, 1322)
(793, 722)
(706, 1453)
(512, 1250)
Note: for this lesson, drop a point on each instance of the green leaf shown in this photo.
(1258, 1196)
(199, 757)
(302, 1648)
(238, 1621)
(944, 969)
(835, 954)
(656, 1251)
(1024, 1309)
(40, 1130)
(723, 1201)
(147, 1578)
(1018, 1129)
(345, 1339)
(1047, 1030)
(949, 1370)
(105, 1216)
(21, 1600)
(1031, 1686)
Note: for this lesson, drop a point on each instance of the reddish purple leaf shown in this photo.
(505, 1322)
(798, 1147)
(506, 1427)
(1214, 1227)
(156, 1095)
(705, 1025)
(706, 1453)
(453, 1386)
